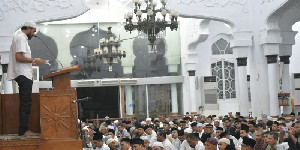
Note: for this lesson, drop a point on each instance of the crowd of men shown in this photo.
(195, 132)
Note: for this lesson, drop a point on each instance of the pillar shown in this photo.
(174, 98)
(129, 104)
(192, 91)
(243, 87)
(286, 84)
(273, 84)
(7, 85)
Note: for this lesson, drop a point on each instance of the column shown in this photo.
(192, 91)
(174, 98)
(273, 84)
(243, 86)
(7, 85)
(129, 104)
(286, 84)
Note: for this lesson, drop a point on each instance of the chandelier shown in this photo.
(109, 50)
(152, 26)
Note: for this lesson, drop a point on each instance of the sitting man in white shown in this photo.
(162, 137)
(194, 141)
(97, 143)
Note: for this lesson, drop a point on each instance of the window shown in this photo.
(225, 73)
(221, 47)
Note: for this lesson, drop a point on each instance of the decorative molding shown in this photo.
(33, 5)
(17, 143)
(217, 3)
(265, 1)
(285, 59)
(271, 59)
(242, 61)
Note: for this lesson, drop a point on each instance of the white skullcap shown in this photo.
(143, 122)
(220, 115)
(171, 123)
(188, 130)
(224, 140)
(116, 121)
(158, 144)
(144, 138)
(131, 129)
(217, 119)
(148, 119)
(85, 128)
(199, 124)
(109, 141)
(110, 127)
(259, 118)
(30, 24)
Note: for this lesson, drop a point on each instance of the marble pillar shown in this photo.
(174, 98)
(243, 87)
(129, 104)
(286, 84)
(192, 88)
(273, 84)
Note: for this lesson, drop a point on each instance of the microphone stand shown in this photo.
(80, 113)
(49, 51)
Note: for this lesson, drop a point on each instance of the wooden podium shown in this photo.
(52, 111)
(58, 114)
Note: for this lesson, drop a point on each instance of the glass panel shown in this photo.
(139, 101)
(74, 44)
(215, 50)
(227, 94)
(159, 100)
(222, 44)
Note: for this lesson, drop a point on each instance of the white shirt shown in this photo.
(185, 145)
(104, 147)
(15, 68)
(168, 145)
(199, 146)
(152, 138)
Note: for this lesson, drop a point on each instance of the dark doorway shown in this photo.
(104, 102)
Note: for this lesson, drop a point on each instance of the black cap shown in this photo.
(98, 136)
(138, 141)
(219, 128)
(248, 141)
(194, 124)
(174, 129)
(90, 122)
(182, 121)
(245, 127)
(111, 130)
(209, 126)
(223, 134)
(146, 127)
(126, 140)
(238, 113)
(180, 132)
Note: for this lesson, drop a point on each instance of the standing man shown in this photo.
(20, 70)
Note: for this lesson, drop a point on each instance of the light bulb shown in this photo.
(163, 12)
(150, 12)
(139, 12)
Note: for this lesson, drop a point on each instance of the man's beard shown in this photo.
(29, 36)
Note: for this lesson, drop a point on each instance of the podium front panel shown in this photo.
(10, 113)
(58, 114)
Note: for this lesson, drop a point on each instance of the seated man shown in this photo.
(138, 144)
(97, 143)
(157, 146)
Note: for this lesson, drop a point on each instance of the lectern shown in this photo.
(58, 115)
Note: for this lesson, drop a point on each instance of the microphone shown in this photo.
(50, 51)
(81, 100)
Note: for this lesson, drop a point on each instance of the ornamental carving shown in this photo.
(25, 6)
(56, 114)
(217, 3)
(60, 113)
